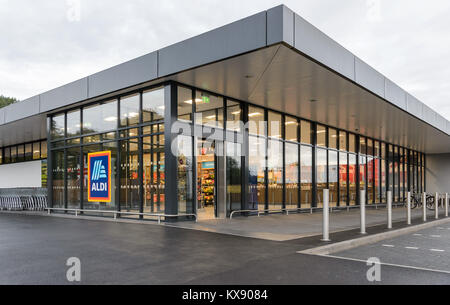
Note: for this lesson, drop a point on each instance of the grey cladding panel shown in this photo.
(136, 71)
(2, 116)
(22, 109)
(369, 78)
(414, 106)
(236, 38)
(322, 48)
(280, 25)
(395, 95)
(65, 95)
(428, 115)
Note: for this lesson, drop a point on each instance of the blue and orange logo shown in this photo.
(99, 177)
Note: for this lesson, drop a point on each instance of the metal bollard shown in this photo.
(326, 215)
(363, 211)
(446, 204)
(436, 206)
(408, 211)
(424, 206)
(389, 209)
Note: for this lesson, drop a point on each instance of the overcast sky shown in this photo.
(47, 43)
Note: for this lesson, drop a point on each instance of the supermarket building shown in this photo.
(261, 114)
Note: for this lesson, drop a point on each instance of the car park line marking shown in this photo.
(389, 246)
(437, 250)
(435, 236)
(417, 235)
(412, 248)
(387, 264)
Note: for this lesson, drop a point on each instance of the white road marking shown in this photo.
(389, 246)
(386, 264)
(435, 236)
(417, 234)
(437, 250)
(412, 248)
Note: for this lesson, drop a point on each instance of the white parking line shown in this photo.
(417, 235)
(437, 250)
(412, 248)
(389, 246)
(435, 236)
(386, 264)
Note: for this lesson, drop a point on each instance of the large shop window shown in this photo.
(333, 177)
(129, 176)
(154, 174)
(257, 168)
(321, 170)
(343, 175)
(153, 105)
(98, 118)
(275, 174)
(306, 172)
(129, 110)
(208, 109)
(352, 179)
(58, 166)
(185, 175)
(292, 176)
(234, 176)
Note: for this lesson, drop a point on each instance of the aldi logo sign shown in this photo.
(99, 176)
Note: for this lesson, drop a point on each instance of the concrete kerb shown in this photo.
(366, 240)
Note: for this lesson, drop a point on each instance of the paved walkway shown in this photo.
(277, 227)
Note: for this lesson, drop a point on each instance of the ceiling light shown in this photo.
(197, 100)
(211, 117)
(291, 123)
(110, 119)
(321, 131)
(254, 114)
(236, 112)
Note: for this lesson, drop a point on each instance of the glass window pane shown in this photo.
(351, 143)
(321, 168)
(291, 129)
(58, 126)
(129, 110)
(321, 136)
(208, 109)
(274, 125)
(184, 104)
(43, 149)
(292, 183)
(256, 123)
(333, 177)
(257, 167)
(73, 171)
(28, 152)
(234, 116)
(13, 154)
(306, 132)
(129, 176)
(306, 176)
(343, 140)
(370, 147)
(370, 179)
(7, 152)
(343, 166)
(275, 174)
(20, 153)
(100, 118)
(332, 138)
(352, 178)
(185, 175)
(73, 123)
(153, 105)
(58, 178)
(234, 177)
(362, 146)
(376, 147)
(154, 177)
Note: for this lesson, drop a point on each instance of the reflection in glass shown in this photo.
(352, 178)
(274, 125)
(257, 167)
(343, 166)
(185, 175)
(58, 178)
(100, 118)
(73, 123)
(377, 180)
(234, 115)
(291, 129)
(129, 176)
(351, 143)
(321, 136)
(333, 177)
(73, 171)
(306, 132)
(292, 183)
(306, 176)
(58, 126)
(321, 168)
(153, 105)
(370, 180)
(256, 123)
(234, 176)
(343, 140)
(332, 138)
(129, 110)
(184, 104)
(208, 110)
(275, 174)
(154, 177)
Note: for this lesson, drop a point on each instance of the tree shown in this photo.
(5, 101)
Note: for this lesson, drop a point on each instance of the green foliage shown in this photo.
(5, 101)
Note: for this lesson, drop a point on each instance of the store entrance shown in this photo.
(206, 180)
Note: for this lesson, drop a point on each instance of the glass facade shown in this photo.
(289, 160)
